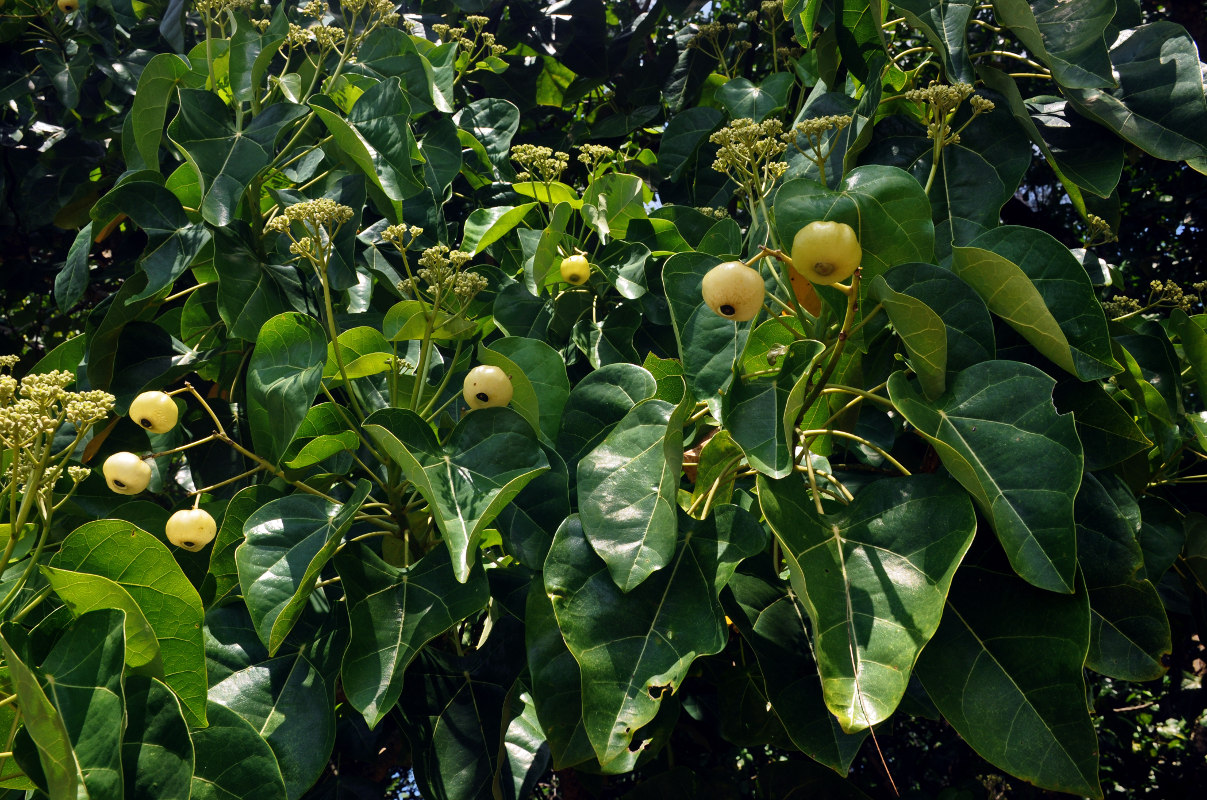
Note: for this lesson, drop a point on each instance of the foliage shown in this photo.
(959, 486)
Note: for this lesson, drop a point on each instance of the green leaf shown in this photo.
(250, 292)
(287, 542)
(998, 433)
(635, 648)
(944, 23)
(172, 241)
(232, 761)
(485, 226)
(742, 98)
(1004, 669)
(283, 376)
(292, 708)
(611, 201)
(156, 89)
(72, 280)
(42, 720)
(873, 577)
(82, 593)
(222, 578)
(157, 753)
(489, 457)
(394, 613)
(1129, 631)
(523, 755)
(1193, 333)
(1036, 285)
(761, 414)
(1159, 104)
(627, 488)
(1161, 537)
(1107, 431)
(927, 304)
(597, 403)
(556, 684)
(685, 133)
(1067, 37)
(550, 193)
(492, 121)
(709, 344)
(227, 159)
(774, 624)
(83, 674)
(538, 379)
(144, 568)
(377, 137)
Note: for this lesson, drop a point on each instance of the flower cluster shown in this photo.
(716, 38)
(543, 162)
(1099, 231)
(749, 153)
(38, 404)
(942, 101)
(319, 220)
(593, 154)
(401, 236)
(441, 270)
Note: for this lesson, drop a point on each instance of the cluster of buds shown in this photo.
(441, 271)
(593, 154)
(329, 37)
(215, 8)
(473, 38)
(813, 132)
(1098, 231)
(715, 213)
(401, 236)
(542, 162)
(297, 36)
(715, 38)
(1168, 293)
(749, 153)
(942, 101)
(319, 221)
(31, 413)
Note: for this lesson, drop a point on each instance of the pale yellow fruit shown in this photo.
(575, 270)
(826, 252)
(126, 473)
(733, 290)
(486, 387)
(154, 411)
(191, 528)
(67, 6)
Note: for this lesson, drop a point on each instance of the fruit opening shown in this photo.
(483, 396)
(728, 310)
(186, 544)
(823, 267)
(118, 484)
(146, 423)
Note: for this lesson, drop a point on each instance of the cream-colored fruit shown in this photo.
(67, 6)
(733, 290)
(486, 387)
(126, 473)
(155, 411)
(191, 528)
(575, 270)
(826, 252)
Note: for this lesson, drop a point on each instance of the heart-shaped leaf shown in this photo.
(489, 457)
(538, 378)
(943, 323)
(42, 720)
(1005, 669)
(252, 775)
(395, 612)
(944, 23)
(283, 376)
(287, 542)
(1159, 103)
(627, 491)
(634, 648)
(1067, 38)
(998, 433)
(774, 624)
(1036, 285)
(143, 566)
(157, 753)
(873, 577)
(82, 592)
(1129, 633)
